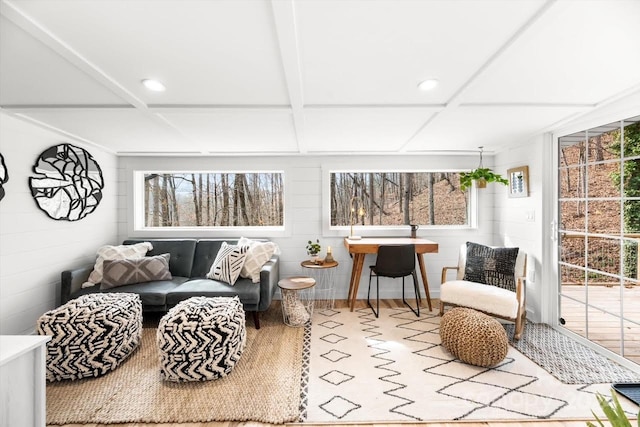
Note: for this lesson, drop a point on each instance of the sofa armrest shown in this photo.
(72, 280)
(269, 277)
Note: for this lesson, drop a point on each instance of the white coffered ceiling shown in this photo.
(313, 76)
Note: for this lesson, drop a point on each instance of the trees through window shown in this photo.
(209, 199)
(398, 198)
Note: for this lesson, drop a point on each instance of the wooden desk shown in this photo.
(369, 245)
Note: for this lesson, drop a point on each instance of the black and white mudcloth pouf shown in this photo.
(201, 338)
(91, 335)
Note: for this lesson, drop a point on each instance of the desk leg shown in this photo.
(352, 280)
(425, 282)
(356, 271)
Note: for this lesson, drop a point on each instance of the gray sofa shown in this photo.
(189, 263)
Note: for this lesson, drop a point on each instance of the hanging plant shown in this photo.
(481, 175)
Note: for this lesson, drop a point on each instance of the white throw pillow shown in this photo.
(259, 253)
(109, 252)
(228, 263)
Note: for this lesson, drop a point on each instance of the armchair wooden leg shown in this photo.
(520, 321)
(441, 308)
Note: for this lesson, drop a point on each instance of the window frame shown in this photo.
(329, 230)
(137, 210)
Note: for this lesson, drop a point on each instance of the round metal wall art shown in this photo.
(4, 176)
(69, 182)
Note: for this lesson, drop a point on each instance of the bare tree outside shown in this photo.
(398, 198)
(213, 199)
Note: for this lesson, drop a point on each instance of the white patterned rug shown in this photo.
(394, 369)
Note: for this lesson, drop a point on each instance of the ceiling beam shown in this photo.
(43, 35)
(576, 115)
(10, 11)
(454, 101)
(59, 131)
(284, 16)
(376, 107)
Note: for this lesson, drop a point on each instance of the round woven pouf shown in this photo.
(473, 337)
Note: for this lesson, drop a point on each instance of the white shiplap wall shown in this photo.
(35, 249)
(304, 207)
(519, 221)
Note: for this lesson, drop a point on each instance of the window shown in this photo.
(211, 199)
(398, 198)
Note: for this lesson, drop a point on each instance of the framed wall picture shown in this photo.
(518, 181)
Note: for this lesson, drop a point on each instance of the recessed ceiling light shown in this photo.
(153, 85)
(428, 84)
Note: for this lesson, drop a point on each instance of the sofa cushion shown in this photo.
(109, 252)
(206, 251)
(491, 266)
(228, 263)
(248, 292)
(152, 294)
(129, 271)
(486, 298)
(181, 252)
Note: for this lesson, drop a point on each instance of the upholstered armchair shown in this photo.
(490, 280)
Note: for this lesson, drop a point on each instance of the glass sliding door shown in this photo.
(599, 234)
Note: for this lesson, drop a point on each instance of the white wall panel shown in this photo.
(35, 249)
(511, 224)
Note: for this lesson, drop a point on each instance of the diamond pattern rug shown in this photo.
(394, 369)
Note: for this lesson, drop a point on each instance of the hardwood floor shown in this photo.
(555, 423)
(362, 304)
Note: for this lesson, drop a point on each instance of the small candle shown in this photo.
(328, 249)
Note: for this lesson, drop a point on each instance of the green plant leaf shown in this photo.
(487, 174)
(313, 248)
(590, 424)
(614, 412)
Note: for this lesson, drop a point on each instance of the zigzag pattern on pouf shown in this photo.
(91, 335)
(201, 338)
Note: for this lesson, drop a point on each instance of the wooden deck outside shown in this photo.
(604, 328)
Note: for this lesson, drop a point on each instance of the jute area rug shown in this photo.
(265, 386)
(393, 368)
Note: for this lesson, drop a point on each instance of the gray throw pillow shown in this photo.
(491, 266)
(139, 270)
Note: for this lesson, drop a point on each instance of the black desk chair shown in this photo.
(394, 261)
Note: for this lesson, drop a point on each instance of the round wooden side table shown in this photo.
(324, 274)
(297, 299)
